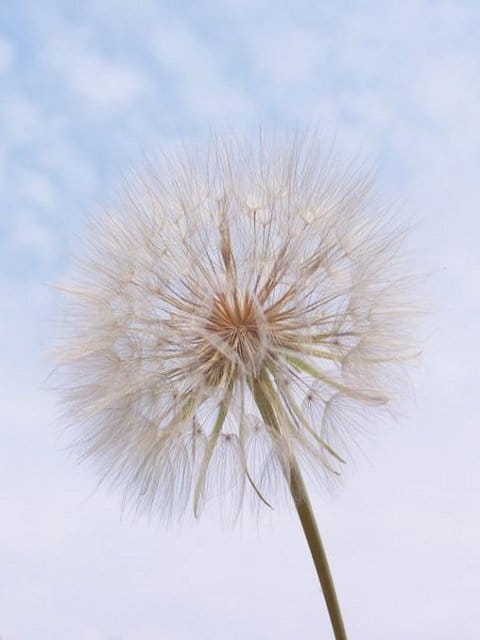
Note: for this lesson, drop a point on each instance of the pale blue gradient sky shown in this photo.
(86, 89)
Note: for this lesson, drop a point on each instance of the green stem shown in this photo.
(312, 534)
(262, 392)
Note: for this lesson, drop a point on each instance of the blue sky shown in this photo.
(86, 90)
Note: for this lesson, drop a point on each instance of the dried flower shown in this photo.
(242, 275)
(241, 315)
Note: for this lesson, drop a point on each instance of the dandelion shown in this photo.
(240, 317)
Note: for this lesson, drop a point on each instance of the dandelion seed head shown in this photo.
(224, 276)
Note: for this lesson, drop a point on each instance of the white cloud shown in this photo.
(32, 237)
(100, 79)
(447, 92)
(75, 171)
(37, 188)
(6, 55)
(21, 120)
(287, 55)
(198, 71)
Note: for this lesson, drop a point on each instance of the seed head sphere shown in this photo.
(242, 275)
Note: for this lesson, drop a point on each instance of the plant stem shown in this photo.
(262, 392)
(312, 534)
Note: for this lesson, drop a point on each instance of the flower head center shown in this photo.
(234, 335)
(233, 319)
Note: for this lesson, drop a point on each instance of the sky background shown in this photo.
(86, 90)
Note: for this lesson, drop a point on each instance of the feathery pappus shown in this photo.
(243, 305)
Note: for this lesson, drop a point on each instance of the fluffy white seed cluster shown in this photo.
(246, 304)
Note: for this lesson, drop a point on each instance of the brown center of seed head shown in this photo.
(233, 326)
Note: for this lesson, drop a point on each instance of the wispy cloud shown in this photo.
(91, 74)
(201, 77)
(6, 55)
